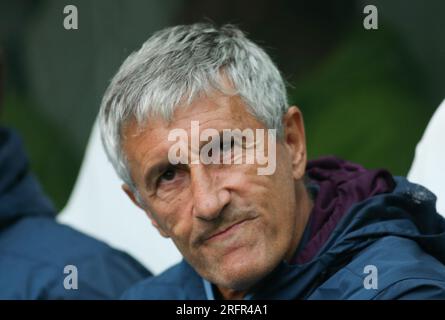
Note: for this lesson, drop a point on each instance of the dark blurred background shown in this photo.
(366, 95)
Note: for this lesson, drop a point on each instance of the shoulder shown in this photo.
(46, 241)
(179, 282)
(405, 270)
(39, 249)
(391, 268)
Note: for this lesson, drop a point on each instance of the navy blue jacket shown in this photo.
(397, 238)
(34, 248)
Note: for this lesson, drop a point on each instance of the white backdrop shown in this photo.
(428, 167)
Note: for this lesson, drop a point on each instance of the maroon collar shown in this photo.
(340, 185)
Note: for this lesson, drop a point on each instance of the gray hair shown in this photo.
(176, 65)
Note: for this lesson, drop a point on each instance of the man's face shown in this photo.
(231, 224)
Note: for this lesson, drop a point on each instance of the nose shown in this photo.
(209, 198)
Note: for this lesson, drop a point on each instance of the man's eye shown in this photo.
(227, 146)
(168, 175)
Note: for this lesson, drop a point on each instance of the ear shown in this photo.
(295, 140)
(133, 198)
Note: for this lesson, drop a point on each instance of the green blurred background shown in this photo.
(366, 95)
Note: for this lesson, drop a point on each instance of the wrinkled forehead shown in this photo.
(215, 111)
(143, 141)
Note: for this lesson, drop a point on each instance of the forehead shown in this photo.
(216, 111)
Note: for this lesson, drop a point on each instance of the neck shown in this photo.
(305, 205)
(229, 294)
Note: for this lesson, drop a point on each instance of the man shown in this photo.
(328, 229)
(41, 259)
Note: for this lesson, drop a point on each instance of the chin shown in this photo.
(242, 275)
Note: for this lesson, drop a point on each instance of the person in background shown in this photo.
(40, 258)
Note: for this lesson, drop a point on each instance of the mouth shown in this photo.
(220, 235)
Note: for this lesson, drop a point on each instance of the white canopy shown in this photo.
(428, 168)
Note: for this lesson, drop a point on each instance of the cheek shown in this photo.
(174, 218)
(267, 191)
(274, 197)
